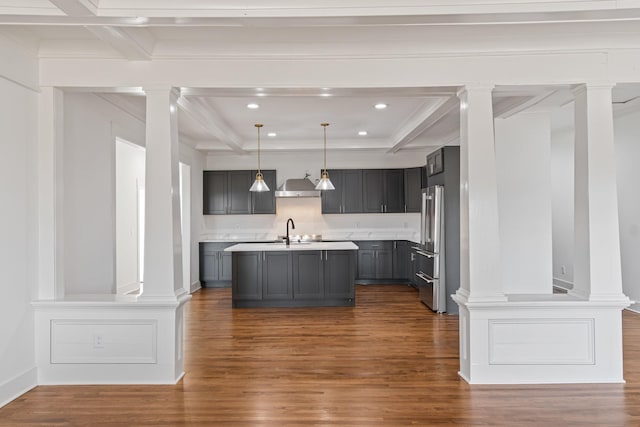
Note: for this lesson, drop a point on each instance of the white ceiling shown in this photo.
(213, 119)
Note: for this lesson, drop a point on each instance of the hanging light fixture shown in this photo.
(325, 183)
(259, 185)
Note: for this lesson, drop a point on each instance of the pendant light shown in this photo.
(325, 183)
(259, 185)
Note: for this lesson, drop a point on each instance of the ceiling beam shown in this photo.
(211, 122)
(423, 120)
(125, 104)
(136, 46)
(77, 8)
(515, 105)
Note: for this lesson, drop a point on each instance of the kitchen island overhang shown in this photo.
(307, 274)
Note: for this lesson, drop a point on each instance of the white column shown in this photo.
(597, 269)
(523, 153)
(480, 272)
(50, 194)
(163, 245)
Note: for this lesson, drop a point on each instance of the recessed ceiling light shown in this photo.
(261, 94)
(271, 134)
(362, 133)
(252, 106)
(380, 106)
(325, 94)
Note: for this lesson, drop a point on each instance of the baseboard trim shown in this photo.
(563, 284)
(128, 288)
(195, 286)
(18, 386)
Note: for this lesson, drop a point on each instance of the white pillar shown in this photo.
(480, 272)
(163, 251)
(597, 269)
(50, 194)
(523, 153)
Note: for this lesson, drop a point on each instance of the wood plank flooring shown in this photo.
(388, 361)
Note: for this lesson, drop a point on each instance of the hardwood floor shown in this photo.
(386, 362)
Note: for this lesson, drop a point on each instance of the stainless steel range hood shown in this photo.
(301, 187)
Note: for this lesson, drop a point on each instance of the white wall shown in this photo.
(627, 133)
(562, 202)
(523, 146)
(196, 160)
(307, 212)
(130, 162)
(18, 244)
(90, 128)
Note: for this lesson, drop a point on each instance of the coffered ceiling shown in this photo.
(214, 119)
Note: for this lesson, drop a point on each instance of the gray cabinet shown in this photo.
(347, 197)
(264, 202)
(339, 274)
(383, 190)
(214, 190)
(401, 263)
(413, 189)
(373, 190)
(215, 264)
(247, 276)
(238, 194)
(294, 278)
(227, 192)
(308, 280)
(276, 276)
(375, 259)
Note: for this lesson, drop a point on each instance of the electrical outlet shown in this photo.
(563, 269)
(98, 342)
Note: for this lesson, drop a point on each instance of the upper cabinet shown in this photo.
(264, 202)
(347, 197)
(227, 192)
(373, 191)
(383, 190)
(214, 191)
(413, 189)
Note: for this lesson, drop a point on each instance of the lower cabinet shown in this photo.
(308, 274)
(294, 278)
(215, 264)
(247, 276)
(384, 261)
(276, 276)
(375, 259)
(401, 260)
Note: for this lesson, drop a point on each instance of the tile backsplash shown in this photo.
(308, 218)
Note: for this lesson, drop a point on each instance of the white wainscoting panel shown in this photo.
(541, 341)
(103, 341)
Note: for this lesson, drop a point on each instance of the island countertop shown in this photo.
(302, 246)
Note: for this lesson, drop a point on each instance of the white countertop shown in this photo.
(326, 236)
(304, 246)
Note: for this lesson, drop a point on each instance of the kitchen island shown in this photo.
(305, 274)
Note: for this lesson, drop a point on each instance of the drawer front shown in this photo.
(375, 244)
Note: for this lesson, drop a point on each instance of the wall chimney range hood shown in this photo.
(300, 187)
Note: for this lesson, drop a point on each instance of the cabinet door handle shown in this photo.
(405, 208)
(381, 208)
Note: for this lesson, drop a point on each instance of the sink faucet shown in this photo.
(293, 227)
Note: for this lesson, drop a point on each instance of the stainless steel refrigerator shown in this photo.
(431, 263)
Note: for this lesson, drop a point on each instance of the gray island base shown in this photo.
(308, 274)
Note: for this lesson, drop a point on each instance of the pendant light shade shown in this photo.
(259, 185)
(325, 183)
